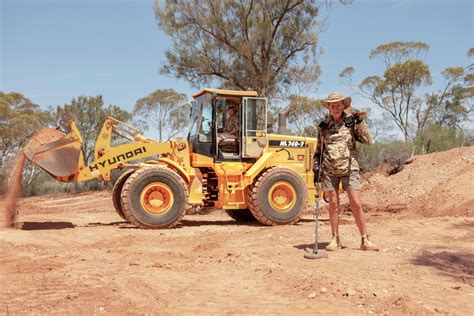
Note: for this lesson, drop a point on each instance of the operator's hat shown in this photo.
(232, 104)
(336, 97)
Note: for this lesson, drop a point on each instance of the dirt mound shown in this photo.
(432, 185)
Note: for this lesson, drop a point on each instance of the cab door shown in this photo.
(254, 123)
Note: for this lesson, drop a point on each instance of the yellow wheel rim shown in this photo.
(157, 198)
(282, 196)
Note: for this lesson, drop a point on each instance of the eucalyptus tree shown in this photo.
(396, 92)
(304, 115)
(90, 113)
(239, 44)
(19, 119)
(454, 103)
(165, 110)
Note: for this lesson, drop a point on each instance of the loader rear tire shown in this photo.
(117, 192)
(242, 216)
(278, 197)
(155, 197)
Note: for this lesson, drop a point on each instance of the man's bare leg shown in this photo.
(359, 216)
(333, 197)
(356, 207)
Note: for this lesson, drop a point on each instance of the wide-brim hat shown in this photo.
(336, 97)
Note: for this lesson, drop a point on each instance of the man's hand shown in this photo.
(360, 116)
(323, 124)
(352, 120)
(316, 171)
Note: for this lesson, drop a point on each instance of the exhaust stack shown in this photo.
(282, 120)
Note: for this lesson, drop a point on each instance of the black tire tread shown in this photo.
(117, 192)
(138, 174)
(254, 191)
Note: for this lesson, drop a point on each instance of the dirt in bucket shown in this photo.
(13, 190)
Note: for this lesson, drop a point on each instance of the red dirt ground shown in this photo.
(74, 255)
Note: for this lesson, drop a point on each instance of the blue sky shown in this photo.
(52, 51)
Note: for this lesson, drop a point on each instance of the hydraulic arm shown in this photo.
(60, 154)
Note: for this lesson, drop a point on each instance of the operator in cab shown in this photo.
(231, 128)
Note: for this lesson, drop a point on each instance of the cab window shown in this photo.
(255, 114)
(220, 116)
(194, 118)
(205, 130)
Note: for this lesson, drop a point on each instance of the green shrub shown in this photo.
(429, 140)
(395, 152)
(435, 138)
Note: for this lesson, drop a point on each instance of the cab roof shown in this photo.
(227, 93)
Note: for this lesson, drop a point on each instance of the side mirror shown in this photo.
(193, 104)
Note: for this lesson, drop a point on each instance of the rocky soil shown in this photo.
(71, 254)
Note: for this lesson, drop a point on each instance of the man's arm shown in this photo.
(319, 145)
(362, 134)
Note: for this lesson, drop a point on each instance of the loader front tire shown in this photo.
(242, 216)
(154, 197)
(278, 197)
(117, 192)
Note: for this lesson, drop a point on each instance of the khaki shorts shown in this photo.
(350, 182)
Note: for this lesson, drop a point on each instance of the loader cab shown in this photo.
(228, 125)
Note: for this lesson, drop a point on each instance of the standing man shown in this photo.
(337, 136)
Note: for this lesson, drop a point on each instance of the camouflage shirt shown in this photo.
(339, 152)
(232, 126)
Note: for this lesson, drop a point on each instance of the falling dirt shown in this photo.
(33, 153)
(13, 190)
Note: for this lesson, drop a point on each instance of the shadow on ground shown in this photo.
(186, 222)
(45, 225)
(309, 220)
(458, 265)
(183, 224)
(321, 245)
(107, 224)
(467, 224)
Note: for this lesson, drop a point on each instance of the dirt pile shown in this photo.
(13, 191)
(432, 185)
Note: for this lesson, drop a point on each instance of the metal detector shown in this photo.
(315, 254)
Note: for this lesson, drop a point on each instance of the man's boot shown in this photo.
(366, 244)
(335, 244)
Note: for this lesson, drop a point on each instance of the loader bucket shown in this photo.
(57, 153)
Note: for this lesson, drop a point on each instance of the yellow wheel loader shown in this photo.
(252, 175)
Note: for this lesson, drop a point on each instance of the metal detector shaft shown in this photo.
(316, 228)
(315, 254)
